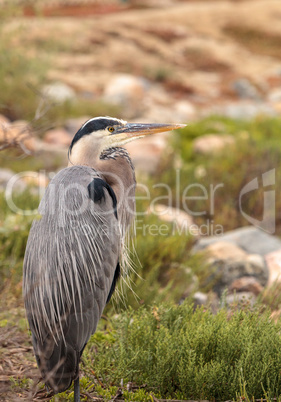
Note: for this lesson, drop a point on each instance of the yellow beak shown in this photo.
(134, 130)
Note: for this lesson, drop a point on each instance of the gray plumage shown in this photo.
(72, 256)
(66, 274)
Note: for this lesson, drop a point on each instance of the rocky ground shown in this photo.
(180, 60)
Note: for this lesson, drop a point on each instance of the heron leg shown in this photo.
(76, 390)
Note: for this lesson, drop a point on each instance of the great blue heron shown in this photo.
(72, 256)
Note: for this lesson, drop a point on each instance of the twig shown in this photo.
(27, 131)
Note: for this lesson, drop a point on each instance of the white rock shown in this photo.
(249, 238)
(182, 220)
(126, 91)
(222, 250)
(184, 111)
(59, 92)
(273, 261)
(255, 260)
(212, 143)
(200, 298)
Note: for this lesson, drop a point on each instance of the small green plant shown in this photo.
(195, 354)
(14, 229)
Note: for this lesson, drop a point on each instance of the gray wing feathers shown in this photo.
(71, 256)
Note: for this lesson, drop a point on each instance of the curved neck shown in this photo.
(116, 168)
(83, 153)
(120, 175)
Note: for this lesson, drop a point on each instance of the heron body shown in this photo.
(72, 258)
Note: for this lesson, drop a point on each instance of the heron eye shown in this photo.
(111, 129)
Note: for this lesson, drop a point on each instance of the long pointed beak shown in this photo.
(134, 130)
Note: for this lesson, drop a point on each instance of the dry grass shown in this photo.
(17, 364)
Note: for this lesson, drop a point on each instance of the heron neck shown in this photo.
(117, 170)
(83, 153)
(114, 165)
(119, 174)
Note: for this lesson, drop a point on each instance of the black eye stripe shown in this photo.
(92, 126)
(96, 125)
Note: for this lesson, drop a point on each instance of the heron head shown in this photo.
(101, 133)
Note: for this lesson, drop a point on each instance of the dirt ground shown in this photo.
(193, 48)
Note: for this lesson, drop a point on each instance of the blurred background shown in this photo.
(214, 65)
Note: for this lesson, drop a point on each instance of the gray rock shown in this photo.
(245, 89)
(227, 272)
(249, 238)
(239, 298)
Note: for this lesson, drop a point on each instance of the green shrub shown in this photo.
(14, 230)
(256, 151)
(184, 354)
